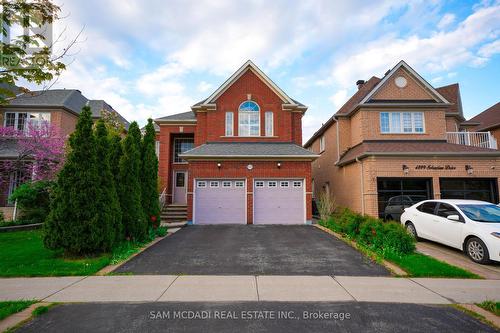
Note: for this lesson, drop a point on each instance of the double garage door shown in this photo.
(224, 201)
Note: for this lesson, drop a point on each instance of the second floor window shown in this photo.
(322, 144)
(249, 119)
(402, 122)
(269, 123)
(20, 120)
(182, 145)
(229, 124)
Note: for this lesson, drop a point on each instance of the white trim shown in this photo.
(249, 65)
(212, 183)
(204, 182)
(285, 182)
(322, 143)
(229, 113)
(261, 182)
(402, 63)
(269, 123)
(272, 181)
(224, 182)
(249, 113)
(296, 181)
(401, 122)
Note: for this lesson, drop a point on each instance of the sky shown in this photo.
(152, 58)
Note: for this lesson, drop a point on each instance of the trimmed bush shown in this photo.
(380, 236)
(33, 199)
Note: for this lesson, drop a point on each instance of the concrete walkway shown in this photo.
(459, 259)
(189, 288)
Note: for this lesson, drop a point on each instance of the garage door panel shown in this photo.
(220, 205)
(278, 204)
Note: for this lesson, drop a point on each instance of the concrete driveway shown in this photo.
(254, 317)
(252, 250)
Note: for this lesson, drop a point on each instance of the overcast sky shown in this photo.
(151, 58)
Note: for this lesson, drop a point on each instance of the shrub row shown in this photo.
(372, 233)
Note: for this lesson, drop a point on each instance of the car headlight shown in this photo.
(496, 234)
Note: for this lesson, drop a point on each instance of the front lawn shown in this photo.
(390, 241)
(23, 254)
(10, 307)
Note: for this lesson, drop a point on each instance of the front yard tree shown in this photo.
(149, 173)
(133, 219)
(109, 207)
(116, 153)
(73, 221)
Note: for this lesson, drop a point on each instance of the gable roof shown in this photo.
(237, 150)
(489, 118)
(249, 65)
(403, 64)
(188, 116)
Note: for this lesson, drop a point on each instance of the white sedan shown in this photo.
(469, 225)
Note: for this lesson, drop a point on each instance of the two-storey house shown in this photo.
(237, 156)
(60, 108)
(398, 141)
(487, 121)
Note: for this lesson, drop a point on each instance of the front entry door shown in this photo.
(180, 189)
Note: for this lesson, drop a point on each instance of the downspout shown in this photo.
(362, 187)
(338, 143)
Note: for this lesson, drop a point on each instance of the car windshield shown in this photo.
(482, 212)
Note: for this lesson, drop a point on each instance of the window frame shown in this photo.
(179, 160)
(239, 183)
(259, 183)
(199, 182)
(27, 119)
(389, 127)
(224, 182)
(295, 182)
(229, 126)
(272, 182)
(269, 123)
(248, 115)
(213, 182)
(282, 182)
(322, 143)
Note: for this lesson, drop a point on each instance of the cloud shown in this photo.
(446, 20)
(339, 98)
(488, 50)
(438, 52)
(204, 86)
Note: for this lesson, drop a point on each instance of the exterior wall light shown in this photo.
(278, 165)
(406, 169)
(469, 169)
(219, 165)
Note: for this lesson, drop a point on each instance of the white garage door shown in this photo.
(279, 201)
(219, 201)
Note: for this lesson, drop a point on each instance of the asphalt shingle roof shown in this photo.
(97, 105)
(487, 119)
(71, 99)
(389, 147)
(189, 115)
(250, 149)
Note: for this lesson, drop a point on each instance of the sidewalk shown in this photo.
(188, 288)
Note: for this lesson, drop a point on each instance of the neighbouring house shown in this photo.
(60, 108)
(487, 121)
(398, 140)
(237, 157)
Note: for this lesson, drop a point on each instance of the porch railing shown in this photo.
(163, 198)
(476, 139)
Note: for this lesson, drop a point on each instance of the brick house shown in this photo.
(59, 107)
(486, 121)
(397, 141)
(237, 156)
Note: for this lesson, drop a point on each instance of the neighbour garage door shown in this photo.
(279, 201)
(219, 201)
(484, 189)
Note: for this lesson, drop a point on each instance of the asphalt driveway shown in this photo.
(254, 317)
(252, 250)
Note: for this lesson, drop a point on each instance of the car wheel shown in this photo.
(477, 251)
(410, 227)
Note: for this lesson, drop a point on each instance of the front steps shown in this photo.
(174, 216)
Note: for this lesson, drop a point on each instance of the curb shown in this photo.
(396, 270)
(21, 227)
(17, 318)
(492, 318)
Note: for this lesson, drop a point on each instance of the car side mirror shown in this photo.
(454, 217)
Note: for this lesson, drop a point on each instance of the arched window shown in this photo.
(249, 119)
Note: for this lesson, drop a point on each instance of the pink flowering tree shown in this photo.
(36, 153)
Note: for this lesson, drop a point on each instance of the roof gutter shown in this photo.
(250, 157)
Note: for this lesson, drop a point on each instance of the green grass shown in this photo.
(10, 307)
(23, 254)
(420, 265)
(491, 306)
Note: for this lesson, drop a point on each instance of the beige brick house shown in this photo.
(398, 140)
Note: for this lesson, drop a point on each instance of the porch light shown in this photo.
(469, 169)
(219, 165)
(406, 169)
(278, 165)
